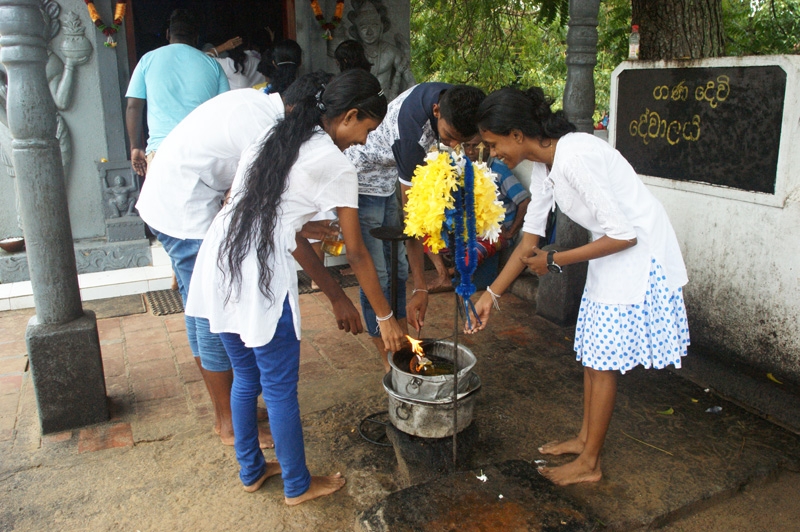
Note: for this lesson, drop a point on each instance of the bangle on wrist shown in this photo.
(388, 316)
(381, 320)
(414, 291)
(495, 297)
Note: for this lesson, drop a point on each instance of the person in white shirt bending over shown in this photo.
(244, 281)
(632, 311)
(185, 189)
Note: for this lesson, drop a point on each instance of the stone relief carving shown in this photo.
(76, 50)
(14, 268)
(389, 54)
(120, 197)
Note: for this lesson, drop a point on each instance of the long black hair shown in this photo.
(529, 111)
(280, 64)
(254, 217)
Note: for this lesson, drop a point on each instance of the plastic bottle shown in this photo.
(633, 44)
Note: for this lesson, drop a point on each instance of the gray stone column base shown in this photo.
(67, 373)
(558, 296)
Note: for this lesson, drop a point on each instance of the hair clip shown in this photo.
(285, 63)
(380, 93)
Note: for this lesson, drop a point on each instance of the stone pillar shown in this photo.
(558, 297)
(63, 346)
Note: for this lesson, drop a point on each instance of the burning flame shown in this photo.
(418, 362)
(416, 346)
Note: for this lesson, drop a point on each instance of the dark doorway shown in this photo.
(219, 20)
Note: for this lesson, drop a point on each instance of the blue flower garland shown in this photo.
(466, 259)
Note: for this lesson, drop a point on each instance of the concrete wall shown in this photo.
(741, 248)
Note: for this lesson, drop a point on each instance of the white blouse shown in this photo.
(246, 78)
(196, 162)
(322, 179)
(597, 188)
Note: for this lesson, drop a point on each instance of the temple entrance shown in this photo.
(258, 22)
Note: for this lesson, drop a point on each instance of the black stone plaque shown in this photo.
(716, 125)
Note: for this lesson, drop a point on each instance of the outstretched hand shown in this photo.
(392, 335)
(347, 317)
(416, 309)
(482, 308)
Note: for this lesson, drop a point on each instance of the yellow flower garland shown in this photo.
(431, 197)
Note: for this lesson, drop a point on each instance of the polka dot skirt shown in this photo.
(653, 333)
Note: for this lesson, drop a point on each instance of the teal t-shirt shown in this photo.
(174, 79)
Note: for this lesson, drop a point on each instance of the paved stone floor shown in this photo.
(156, 465)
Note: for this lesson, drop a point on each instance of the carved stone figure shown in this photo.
(122, 197)
(390, 62)
(76, 50)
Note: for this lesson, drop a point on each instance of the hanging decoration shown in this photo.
(108, 31)
(452, 198)
(328, 27)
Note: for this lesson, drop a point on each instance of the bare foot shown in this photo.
(573, 446)
(440, 284)
(572, 473)
(273, 468)
(320, 487)
(264, 439)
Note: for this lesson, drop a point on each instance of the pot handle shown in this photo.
(412, 387)
(405, 409)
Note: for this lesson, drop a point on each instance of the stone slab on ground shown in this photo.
(510, 496)
(752, 389)
(422, 459)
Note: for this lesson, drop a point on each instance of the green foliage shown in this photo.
(489, 43)
(495, 43)
(761, 27)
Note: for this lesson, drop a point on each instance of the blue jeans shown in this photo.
(204, 344)
(377, 211)
(273, 368)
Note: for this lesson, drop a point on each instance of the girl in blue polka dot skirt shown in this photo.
(632, 311)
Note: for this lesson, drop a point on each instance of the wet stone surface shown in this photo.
(422, 459)
(513, 497)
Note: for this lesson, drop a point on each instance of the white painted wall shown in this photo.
(741, 248)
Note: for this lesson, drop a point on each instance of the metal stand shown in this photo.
(394, 235)
(376, 440)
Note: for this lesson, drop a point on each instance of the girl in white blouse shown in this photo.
(245, 283)
(632, 310)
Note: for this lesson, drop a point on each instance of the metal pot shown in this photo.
(424, 387)
(431, 419)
